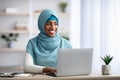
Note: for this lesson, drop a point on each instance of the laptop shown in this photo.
(12, 61)
(74, 62)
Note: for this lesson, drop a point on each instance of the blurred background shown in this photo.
(85, 23)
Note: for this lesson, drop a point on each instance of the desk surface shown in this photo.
(84, 77)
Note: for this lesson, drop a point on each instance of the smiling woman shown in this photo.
(51, 26)
(42, 50)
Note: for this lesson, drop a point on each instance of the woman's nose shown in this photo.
(52, 27)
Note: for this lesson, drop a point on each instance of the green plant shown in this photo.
(65, 37)
(63, 4)
(10, 37)
(107, 59)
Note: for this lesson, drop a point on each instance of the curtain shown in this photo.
(100, 29)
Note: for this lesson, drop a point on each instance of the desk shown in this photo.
(85, 77)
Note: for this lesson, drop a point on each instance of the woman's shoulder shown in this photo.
(66, 43)
(32, 39)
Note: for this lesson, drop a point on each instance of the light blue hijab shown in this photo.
(42, 48)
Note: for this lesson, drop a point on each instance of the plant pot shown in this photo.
(106, 69)
(9, 44)
(63, 10)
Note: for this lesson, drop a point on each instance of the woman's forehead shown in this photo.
(51, 21)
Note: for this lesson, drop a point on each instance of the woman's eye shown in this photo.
(55, 23)
(50, 24)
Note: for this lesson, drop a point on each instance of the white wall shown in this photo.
(75, 23)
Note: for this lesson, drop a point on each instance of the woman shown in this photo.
(42, 50)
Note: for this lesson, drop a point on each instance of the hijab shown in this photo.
(42, 48)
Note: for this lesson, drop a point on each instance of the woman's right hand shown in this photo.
(49, 70)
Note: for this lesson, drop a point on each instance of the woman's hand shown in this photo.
(49, 70)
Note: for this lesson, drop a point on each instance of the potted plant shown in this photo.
(9, 38)
(65, 37)
(63, 6)
(106, 69)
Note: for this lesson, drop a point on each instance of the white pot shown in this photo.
(106, 69)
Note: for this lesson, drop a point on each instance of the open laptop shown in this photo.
(74, 62)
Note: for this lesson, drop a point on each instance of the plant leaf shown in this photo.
(107, 59)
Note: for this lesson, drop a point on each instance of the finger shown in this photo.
(53, 70)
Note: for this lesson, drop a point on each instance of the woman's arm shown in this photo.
(30, 67)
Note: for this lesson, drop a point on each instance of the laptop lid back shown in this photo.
(74, 61)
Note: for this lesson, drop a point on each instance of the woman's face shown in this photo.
(51, 28)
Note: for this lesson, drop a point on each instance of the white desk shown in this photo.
(86, 77)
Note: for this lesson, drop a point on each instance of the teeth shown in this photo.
(52, 31)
